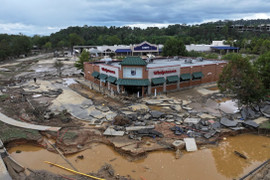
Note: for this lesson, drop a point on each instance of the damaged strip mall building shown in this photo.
(134, 75)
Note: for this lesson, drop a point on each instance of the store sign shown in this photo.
(135, 73)
(145, 47)
(162, 72)
(107, 70)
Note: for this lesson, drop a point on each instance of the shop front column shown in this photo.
(109, 84)
(178, 84)
(164, 87)
(143, 91)
(149, 90)
(118, 88)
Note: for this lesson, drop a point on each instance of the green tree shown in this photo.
(262, 65)
(58, 65)
(84, 57)
(75, 39)
(48, 46)
(174, 47)
(240, 79)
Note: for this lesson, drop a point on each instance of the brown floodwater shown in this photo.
(208, 163)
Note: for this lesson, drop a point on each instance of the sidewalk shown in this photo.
(14, 122)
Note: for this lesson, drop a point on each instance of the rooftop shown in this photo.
(183, 62)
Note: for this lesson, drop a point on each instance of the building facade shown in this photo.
(134, 75)
(141, 49)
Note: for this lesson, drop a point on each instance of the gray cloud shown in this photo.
(39, 16)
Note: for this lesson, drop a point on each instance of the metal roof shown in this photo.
(133, 61)
(123, 51)
(224, 47)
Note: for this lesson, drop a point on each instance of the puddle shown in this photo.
(223, 100)
(229, 107)
(155, 108)
(214, 88)
(215, 163)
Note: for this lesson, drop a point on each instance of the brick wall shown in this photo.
(171, 87)
(159, 89)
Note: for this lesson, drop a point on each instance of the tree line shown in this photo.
(249, 42)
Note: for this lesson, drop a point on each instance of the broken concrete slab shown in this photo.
(156, 114)
(206, 116)
(216, 125)
(148, 132)
(186, 102)
(237, 128)
(154, 101)
(5, 70)
(110, 131)
(97, 114)
(266, 110)
(192, 120)
(229, 107)
(190, 144)
(136, 128)
(110, 115)
(179, 144)
(187, 108)
(103, 108)
(176, 107)
(210, 134)
(228, 123)
(249, 113)
(139, 107)
(251, 123)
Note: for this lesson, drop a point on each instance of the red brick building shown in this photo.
(135, 75)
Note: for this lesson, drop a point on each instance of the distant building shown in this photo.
(216, 45)
(134, 75)
(141, 49)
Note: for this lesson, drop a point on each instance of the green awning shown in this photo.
(95, 74)
(197, 75)
(186, 76)
(133, 82)
(172, 79)
(133, 61)
(103, 76)
(157, 81)
(111, 79)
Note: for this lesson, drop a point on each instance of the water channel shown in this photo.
(208, 163)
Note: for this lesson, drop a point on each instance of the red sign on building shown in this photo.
(164, 72)
(107, 70)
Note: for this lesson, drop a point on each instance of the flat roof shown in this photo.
(183, 62)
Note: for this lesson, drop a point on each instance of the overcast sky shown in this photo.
(47, 16)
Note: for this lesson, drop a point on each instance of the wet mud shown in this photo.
(208, 163)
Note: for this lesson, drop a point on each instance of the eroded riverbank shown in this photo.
(208, 163)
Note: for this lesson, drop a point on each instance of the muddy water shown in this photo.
(214, 163)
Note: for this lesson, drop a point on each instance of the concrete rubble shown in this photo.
(190, 144)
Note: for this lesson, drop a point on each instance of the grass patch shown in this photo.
(69, 135)
(4, 97)
(265, 125)
(9, 133)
